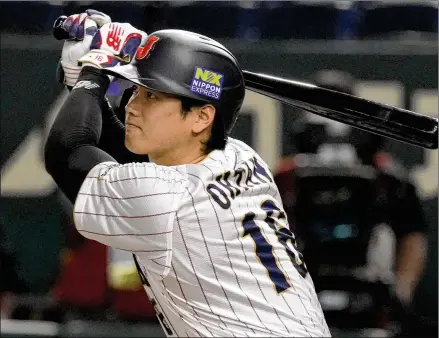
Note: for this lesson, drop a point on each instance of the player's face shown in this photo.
(154, 123)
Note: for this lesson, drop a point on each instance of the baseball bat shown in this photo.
(399, 124)
(385, 120)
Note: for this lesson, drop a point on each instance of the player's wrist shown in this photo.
(92, 79)
(70, 73)
(98, 58)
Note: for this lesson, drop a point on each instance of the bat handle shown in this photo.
(58, 30)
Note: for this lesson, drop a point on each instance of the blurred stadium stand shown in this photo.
(240, 19)
(390, 18)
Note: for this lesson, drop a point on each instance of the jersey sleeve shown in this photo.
(131, 207)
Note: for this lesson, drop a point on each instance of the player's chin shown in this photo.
(135, 144)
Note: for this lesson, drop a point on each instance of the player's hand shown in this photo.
(114, 44)
(78, 30)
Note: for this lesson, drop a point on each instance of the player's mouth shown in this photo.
(129, 124)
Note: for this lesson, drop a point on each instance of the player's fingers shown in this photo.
(90, 29)
(74, 25)
(99, 17)
(77, 26)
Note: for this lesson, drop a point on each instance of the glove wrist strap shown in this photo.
(99, 58)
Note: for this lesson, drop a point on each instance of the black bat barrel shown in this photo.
(385, 120)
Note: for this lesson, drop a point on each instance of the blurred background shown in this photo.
(364, 209)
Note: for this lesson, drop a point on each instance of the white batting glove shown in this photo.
(115, 44)
(80, 30)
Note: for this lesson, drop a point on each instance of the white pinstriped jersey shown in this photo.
(211, 240)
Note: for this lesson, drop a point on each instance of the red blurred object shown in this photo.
(83, 278)
(83, 281)
(132, 304)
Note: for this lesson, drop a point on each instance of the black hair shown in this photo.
(217, 139)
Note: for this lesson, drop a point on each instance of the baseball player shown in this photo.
(203, 216)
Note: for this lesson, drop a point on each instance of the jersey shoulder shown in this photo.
(236, 145)
(219, 161)
(243, 152)
(236, 159)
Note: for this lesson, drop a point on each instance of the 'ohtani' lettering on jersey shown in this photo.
(231, 183)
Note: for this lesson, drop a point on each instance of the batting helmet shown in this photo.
(191, 65)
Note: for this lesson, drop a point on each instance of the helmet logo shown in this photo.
(207, 83)
(144, 51)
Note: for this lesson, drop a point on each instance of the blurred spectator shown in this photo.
(250, 20)
(349, 19)
(363, 202)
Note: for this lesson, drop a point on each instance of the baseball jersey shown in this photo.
(211, 241)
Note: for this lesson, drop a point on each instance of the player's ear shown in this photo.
(204, 118)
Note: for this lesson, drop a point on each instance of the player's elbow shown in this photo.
(56, 159)
(51, 152)
(56, 153)
(60, 145)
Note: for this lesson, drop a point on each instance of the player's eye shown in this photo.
(135, 90)
(150, 95)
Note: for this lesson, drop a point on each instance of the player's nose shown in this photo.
(130, 109)
(131, 112)
(133, 106)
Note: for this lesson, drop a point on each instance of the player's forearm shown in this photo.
(410, 264)
(71, 148)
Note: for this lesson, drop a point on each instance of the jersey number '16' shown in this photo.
(264, 249)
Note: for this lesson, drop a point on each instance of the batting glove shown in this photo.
(115, 44)
(78, 30)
